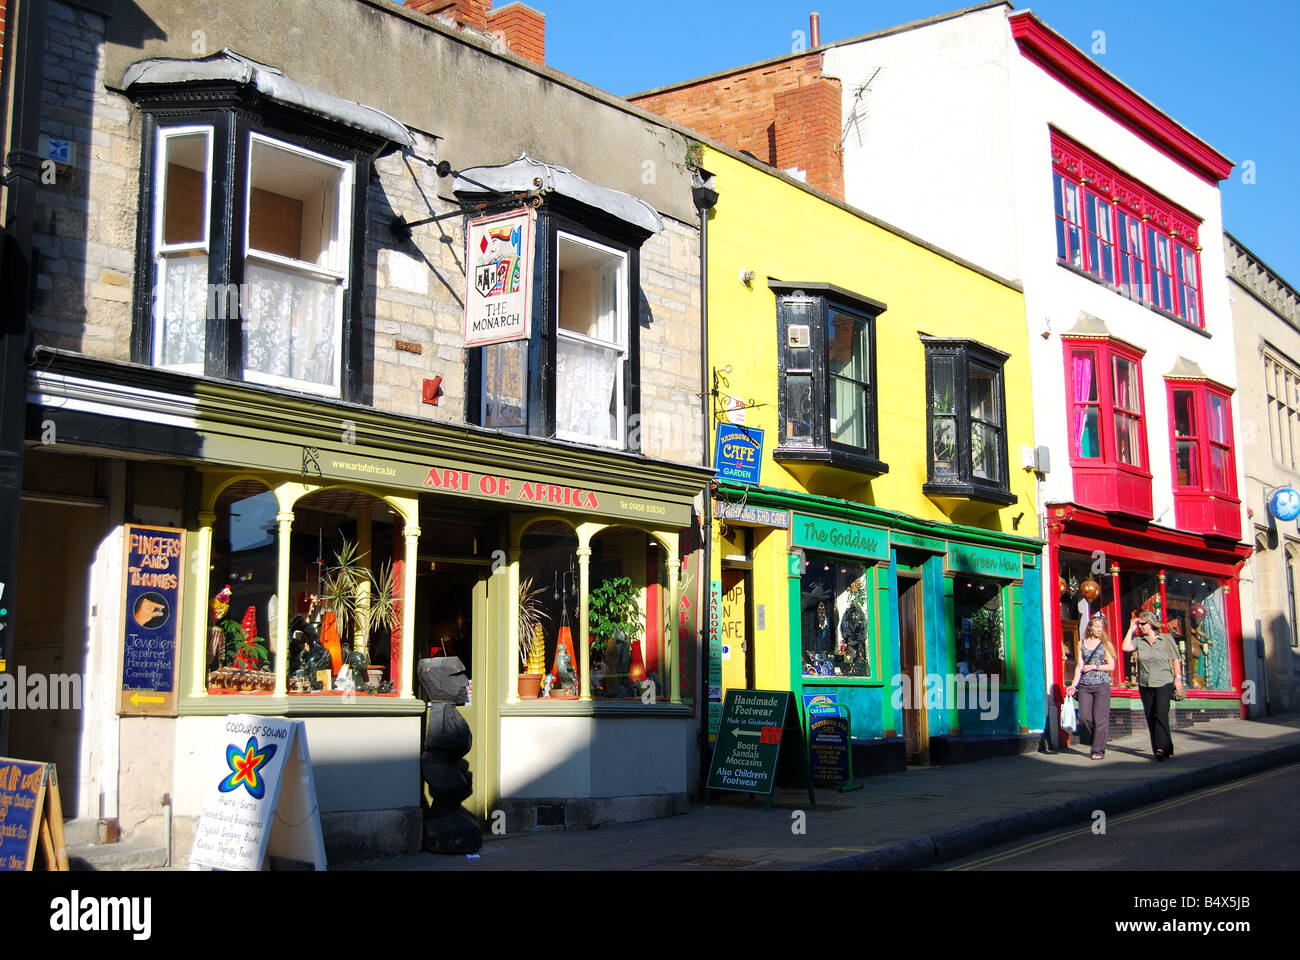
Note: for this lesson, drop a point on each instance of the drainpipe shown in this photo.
(705, 198)
(20, 104)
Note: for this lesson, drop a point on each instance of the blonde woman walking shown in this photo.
(1092, 684)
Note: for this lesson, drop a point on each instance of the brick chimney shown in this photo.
(522, 29)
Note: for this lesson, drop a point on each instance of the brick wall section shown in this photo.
(807, 134)
(786, 114)
(522, 28)
(468, 13)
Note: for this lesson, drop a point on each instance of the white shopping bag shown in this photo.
(1069, 714)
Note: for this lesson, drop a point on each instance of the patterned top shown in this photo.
(1097, 657)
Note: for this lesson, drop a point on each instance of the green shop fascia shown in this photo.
(924, 630)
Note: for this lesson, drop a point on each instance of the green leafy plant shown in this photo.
(239, 644)
(613, 615)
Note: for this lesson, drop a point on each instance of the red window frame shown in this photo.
(1171, 283)
(1107, 406)
(1209, 433)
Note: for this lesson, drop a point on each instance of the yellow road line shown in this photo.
(1136, 815)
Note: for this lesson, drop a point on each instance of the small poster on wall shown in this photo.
(153, 574)
(499, 278)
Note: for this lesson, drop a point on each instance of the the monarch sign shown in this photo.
(499, 278)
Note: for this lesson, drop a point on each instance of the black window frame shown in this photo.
(821, 448)
(234, 112)
(964, 353)
(557, 215)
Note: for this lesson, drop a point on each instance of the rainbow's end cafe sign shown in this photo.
(499, 278)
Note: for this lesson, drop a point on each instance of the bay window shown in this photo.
(1105, 414)
(1203, 458)
(576, 377)
(248, 253)
(1125, 235)
(966, 420)
(826, 368)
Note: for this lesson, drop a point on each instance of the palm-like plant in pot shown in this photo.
(532, 639)
(364, 603)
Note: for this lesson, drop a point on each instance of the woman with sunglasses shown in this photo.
(1159, 674)
(1092, 683)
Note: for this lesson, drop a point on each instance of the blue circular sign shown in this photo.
(1284, 503)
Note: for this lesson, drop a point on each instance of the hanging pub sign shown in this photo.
(151, 592)
(499, 278)
(738, 453)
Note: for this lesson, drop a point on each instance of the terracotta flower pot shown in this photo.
(530, 685)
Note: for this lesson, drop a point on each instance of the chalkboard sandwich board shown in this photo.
(753, 725)
(31, 813)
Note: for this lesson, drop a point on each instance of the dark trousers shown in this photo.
(1094, 715)
(1155, 704)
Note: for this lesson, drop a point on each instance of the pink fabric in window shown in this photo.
(1083, 368)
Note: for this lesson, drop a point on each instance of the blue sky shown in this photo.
(1226, 71)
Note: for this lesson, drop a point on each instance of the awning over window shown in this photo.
(526, 175)
(270, 82)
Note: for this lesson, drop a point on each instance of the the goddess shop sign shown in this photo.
(836, 536)
(499, 278)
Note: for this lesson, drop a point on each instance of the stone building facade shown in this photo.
(1266, 315)
(290, 378)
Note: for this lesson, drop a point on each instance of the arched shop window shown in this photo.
(243, 604)
(548, 591)
(981, 626)
(344, 603)
(627, 598)
(834, 615)
(1193, 608)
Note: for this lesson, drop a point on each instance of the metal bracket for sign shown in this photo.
(402, 230)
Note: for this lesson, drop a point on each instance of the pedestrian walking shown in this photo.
(1092, 685)
(1159, 676)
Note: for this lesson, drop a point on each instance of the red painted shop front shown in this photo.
(1117, 566)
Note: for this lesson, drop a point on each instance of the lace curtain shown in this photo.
(184, 311)
(291, 325)
(586, 378)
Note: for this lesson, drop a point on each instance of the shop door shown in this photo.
(733, 632)
(911, 659)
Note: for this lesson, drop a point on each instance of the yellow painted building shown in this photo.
(891, 529)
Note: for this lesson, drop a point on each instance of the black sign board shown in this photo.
(754, 723)
(828, 748)
(31, 816)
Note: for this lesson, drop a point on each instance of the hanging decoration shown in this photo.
(1090, 589)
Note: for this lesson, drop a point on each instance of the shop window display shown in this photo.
(345, 589)
(1083, 591)
(1193, 610)
(548, 577)
(981, 639)
(835, 615)
(243, 603)
(627, 615)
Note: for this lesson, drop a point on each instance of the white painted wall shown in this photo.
(928, 144)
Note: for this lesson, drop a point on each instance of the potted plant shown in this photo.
(363, 603)
(614, 622)
(532, 639)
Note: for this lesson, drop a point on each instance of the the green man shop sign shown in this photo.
(984, 561)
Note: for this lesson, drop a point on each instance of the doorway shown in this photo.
(911, 660)
(734, 631)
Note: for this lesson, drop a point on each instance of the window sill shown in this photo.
(971, 491)
(298, 705)
(1119, 291)
(595, 708)
(835, 456)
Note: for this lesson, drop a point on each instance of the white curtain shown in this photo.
(586, 377)
(183, 313)
(291, 325)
